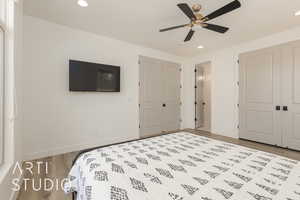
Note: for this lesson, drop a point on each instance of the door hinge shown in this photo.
(195, 102)
(195, 86)
(195, 70)
(196, 119)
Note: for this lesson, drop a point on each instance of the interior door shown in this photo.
(151, 94)
(199, 96)
(290, 89)
(171, 96)
(260, 96)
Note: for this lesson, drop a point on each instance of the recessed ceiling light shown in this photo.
(83, 3)
(297, 13)
(200, 47)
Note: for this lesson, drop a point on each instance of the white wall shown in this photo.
(224, 82)
(56, 120)
(12, 134)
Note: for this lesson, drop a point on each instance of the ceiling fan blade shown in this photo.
(173, 27)
(187, 10)
(217, 28)
(226, 9)
(189, 35)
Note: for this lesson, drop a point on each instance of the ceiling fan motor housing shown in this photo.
(199, 16)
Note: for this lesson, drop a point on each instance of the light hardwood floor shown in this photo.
(60, 165)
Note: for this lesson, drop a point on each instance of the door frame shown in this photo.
(4, 48)
(195, 94)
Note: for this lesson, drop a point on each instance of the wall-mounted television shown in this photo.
(92, 77)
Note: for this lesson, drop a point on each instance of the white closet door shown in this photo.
(151, 94)
(171, 96)
(290, 90)
(259, 96)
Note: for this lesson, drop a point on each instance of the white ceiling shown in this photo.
(138, 21)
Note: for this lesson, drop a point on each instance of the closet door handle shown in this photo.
(278, 108)
(285, 108)
(164, 105)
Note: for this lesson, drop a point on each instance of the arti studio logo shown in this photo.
(35, 177)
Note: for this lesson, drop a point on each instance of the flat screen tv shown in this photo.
(92, 77)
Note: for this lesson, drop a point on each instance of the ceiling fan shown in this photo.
(198, 19)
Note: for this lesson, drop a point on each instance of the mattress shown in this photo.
(183, 166)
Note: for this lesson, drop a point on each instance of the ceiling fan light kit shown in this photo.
(197, 19)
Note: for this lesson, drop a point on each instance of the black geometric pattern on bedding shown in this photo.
(183, 166)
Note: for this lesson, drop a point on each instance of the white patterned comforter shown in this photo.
(183, 166)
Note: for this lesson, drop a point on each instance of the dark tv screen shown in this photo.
(85, 76)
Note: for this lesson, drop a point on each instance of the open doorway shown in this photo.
(203, 96)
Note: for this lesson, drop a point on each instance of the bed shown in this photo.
(182, 166)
